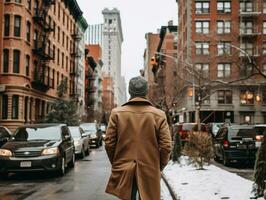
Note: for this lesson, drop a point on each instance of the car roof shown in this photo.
(260, 125)
(44, 125)
(240, 126)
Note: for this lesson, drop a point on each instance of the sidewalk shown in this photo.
(188, 183)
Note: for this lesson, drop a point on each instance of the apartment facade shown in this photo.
(94, 83)
(222, 42)
(38, 47)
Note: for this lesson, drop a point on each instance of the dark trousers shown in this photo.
(134, 190)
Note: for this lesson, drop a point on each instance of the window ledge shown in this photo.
(12, 38)
(15, 74)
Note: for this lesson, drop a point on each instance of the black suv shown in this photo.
(236, 142)
(39, 147)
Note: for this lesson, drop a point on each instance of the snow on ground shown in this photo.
(165, 194)
(210, 184)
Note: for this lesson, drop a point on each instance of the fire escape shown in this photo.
(249, 32)
(76, 54)
(42, 48)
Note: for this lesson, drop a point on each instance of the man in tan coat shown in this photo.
(138, 145)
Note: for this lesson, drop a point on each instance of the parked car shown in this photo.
(103, 130)
(81, 141)
(39, 147)
(184, 129)
(94, 133)
(5, 135)
(261, 133)
(235, 142)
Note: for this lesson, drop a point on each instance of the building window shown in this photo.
(264, 6)
(28, 31)
(36, 7)
(63, 57)
(53, 76)
(246, 6)
(15, 104)
(202, 27)
(202, 7)
(4, 106)
(29, 4)
(247, 97)
(16, 61)
(223, 27)
(246, 27)
(17, 26)
(63, 39)
(18, 1)
(224, 6)
(53, 53)
(59, 10)
(27, 65)
(58, 34)
(264, 97)
(57, 78)
(224, 48)
(247, 47)
(5, 60)
(264, 27)
(7, 1)
(202, 48)
(264, 47)
(7, 25)
(225, 97)
(66, 63)
(58, 57)
(224, 70)
(35, 39)
(203, 69)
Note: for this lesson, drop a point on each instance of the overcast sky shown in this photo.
(138, 17)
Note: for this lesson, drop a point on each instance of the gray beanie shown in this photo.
(138, 87)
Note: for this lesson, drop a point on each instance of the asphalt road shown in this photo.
(244, 170)
(86, 181)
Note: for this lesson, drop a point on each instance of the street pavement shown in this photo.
(86, 182)
(244, 170)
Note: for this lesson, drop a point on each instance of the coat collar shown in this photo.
(138, 100)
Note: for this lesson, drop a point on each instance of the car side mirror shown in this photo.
(84, 135)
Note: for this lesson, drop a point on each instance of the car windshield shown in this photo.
(75, 132)
(37, 133)
(3, 132)
(260, 130)
(88, 127)
(242, 133)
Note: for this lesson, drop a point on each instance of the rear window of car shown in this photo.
(239, 133)
(260, 130)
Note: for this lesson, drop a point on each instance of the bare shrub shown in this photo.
(199, 149)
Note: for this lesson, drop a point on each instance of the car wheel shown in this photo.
(62, 170)
(101, 143)
(226, 161)
(97, 144)
(72, 162)
(88, 150)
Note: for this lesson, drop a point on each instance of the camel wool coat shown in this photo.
(138, 145)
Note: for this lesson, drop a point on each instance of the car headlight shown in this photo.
(77, 143)
(50, 151)
(5, 153)
(93, 135)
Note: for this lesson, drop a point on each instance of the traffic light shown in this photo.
(153, 61)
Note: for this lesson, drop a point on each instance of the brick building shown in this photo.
(37, 46)
(220, 41)
(93, 83)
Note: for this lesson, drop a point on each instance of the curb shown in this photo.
(172, 193)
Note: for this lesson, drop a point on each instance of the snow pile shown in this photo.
(210, 184)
